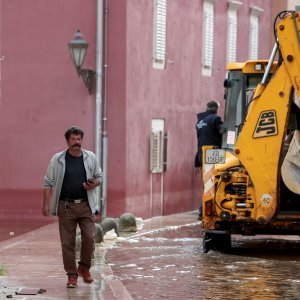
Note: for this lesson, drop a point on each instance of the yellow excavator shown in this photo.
(251, 185)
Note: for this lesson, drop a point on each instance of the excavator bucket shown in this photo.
(290, 169)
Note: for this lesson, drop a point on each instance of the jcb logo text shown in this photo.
(266, 125)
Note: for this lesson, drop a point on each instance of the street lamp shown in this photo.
(78, 47)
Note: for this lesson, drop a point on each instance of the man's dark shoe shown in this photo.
(86, 275)
(72, 281)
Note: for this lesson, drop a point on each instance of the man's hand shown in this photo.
(91, 184)
(46, 210)
(46, 202)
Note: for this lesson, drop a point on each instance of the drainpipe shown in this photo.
(105, 138)
(98, 109)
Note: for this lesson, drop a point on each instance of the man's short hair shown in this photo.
(73, 130)
(212, 106)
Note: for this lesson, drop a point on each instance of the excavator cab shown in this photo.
(241, 81)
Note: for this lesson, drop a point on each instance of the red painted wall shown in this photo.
(41, 96)
(176, 95)
(116, 107)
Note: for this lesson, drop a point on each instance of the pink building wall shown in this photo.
(175, 94)
(41, 96)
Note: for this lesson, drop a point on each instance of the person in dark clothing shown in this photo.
(208, 127)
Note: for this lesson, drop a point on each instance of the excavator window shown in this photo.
(239, 90)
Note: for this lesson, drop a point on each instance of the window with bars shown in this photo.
(255, 12)
(233, 6)
(208, 37)
(160, 31)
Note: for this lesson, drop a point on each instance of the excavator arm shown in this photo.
(260, 142)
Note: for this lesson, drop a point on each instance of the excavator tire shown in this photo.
(216, 242)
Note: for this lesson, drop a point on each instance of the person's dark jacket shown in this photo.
(208, 133)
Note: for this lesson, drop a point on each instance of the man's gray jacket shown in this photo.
(55, 175)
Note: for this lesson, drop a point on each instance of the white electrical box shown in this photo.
(157, 146)
(156, 152)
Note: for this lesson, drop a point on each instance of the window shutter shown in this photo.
(160, 30)
(232, 35)
(255, 12)
(208, 38)
(233, 7)
(253, 44)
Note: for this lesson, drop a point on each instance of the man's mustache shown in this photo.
(76, 145)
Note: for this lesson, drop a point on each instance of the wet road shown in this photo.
(170, 265)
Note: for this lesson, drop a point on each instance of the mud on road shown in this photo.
(171, 265)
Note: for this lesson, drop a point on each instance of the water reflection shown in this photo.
(171, 265)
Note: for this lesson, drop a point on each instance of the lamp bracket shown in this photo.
(88, 77)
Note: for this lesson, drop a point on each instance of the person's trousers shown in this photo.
(69, 215)
(201, 191)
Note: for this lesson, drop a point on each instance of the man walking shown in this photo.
(209, 128)
(70, 192)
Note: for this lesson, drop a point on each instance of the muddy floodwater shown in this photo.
(170, 265)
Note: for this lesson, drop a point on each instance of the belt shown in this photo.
(74, 200)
